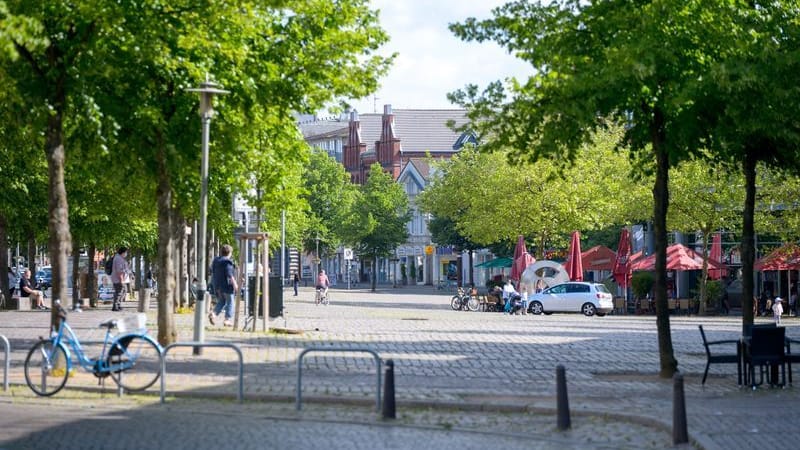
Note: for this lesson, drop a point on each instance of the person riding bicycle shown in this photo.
(323, 282)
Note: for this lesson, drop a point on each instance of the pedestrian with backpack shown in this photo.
(224, 280)
(119, 277)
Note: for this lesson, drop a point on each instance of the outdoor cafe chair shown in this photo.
(766, 350)
(791, 357)
(721, 358)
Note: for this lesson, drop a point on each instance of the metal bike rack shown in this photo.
(299, 397)
(8, 361)
(202, 344)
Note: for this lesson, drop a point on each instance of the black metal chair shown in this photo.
(721, 358)
(791, 357)
(766, 350)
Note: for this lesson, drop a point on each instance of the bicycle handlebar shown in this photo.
(62, 313)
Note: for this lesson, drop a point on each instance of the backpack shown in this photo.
(109, 266)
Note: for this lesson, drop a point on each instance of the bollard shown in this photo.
(388, 392)
(680, 434)
(561, 399)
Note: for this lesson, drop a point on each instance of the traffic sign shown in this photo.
(348, 254)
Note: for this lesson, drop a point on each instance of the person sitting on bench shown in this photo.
(26, 290)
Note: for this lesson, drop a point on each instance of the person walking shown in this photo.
(777, 310)
(120, 278)
(223, 278)
(295, 282)
(26, 290)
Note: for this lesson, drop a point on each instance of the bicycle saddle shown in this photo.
(110, 323)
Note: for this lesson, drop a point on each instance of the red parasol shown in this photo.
(574, 264)
(716, 255)
(679, 257)
(520, 263)
(787, 257)
(622, 267)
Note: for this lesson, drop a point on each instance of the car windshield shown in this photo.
(601, 288)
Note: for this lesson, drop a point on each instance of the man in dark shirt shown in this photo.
(26, 290)
(224, 281)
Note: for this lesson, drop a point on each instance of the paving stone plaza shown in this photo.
(470, 379)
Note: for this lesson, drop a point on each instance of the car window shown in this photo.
(601, 288)
(560, 289)
(577, 288)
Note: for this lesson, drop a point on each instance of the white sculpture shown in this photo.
(550, 273)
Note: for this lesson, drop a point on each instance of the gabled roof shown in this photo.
(318, 129)
(419, 130)
(416, 168)
(421, 166)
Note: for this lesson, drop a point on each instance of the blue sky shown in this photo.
(431, 61)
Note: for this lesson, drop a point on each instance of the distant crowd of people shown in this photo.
(766, 305)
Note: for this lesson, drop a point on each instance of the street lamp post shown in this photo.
(207, 91)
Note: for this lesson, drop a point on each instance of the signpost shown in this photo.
(348, 256)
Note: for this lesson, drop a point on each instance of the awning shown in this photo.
(497, 262)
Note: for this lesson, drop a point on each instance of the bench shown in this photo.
(20, 303)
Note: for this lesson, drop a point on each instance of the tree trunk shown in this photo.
(374, 271)
(31, 254)
(191, 264)
(76, 274)
(748, 241)
(142, 283)
(91, 279)
(167, 334)
(5, 287)
(661, 202)
(175, 222)
(184, 265)
(58, 223)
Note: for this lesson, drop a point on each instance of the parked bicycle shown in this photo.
(463, 300)
(322, 297)
(132, 359)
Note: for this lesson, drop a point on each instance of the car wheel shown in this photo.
(536, 308)
(588, 309)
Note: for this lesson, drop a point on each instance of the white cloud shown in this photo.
(432, 61)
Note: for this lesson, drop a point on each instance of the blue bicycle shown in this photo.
(132, 359)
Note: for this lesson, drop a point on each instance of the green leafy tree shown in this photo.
(751, 100)
(640, 63)
(704, 197)
(276, 59)
(491, 200)
(329, 194)
(377, 221)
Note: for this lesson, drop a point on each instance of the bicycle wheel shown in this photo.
(326, 299)
(134, 362)
(46, 368)
(455, 303)
(473, 304)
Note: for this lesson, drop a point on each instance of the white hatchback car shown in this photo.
(575, 296)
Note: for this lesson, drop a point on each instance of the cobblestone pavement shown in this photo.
(487, 364)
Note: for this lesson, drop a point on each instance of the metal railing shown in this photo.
(202, 344)
(299, 396)
(7, 365)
